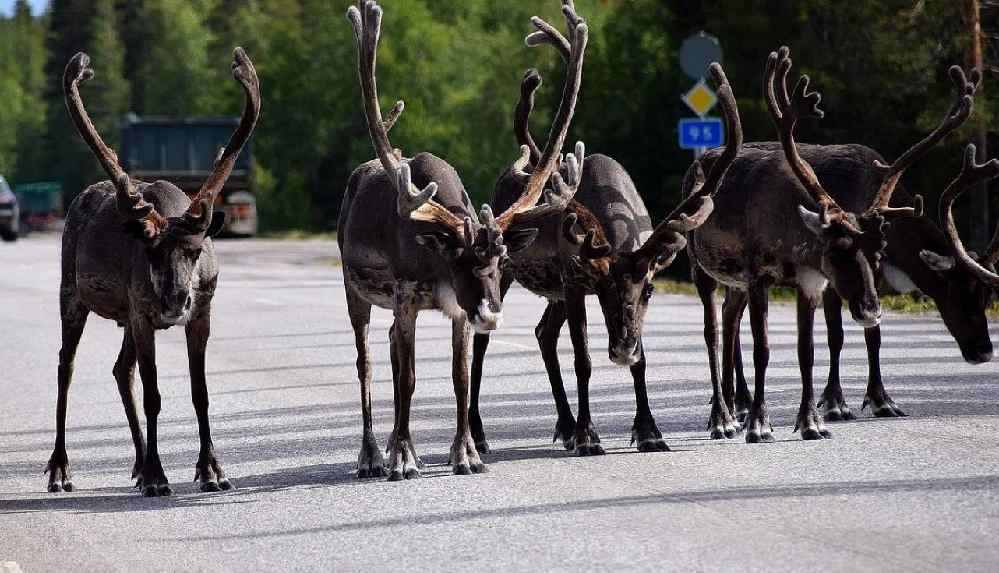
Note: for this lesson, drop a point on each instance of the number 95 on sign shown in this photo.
(706, 132)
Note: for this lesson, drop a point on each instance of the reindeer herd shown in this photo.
(828, 221)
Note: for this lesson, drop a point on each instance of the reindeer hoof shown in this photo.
(55, 487)
(811, 434)
(210, 486)
(757, 437)
(653, 445)
(589, 450)
(161, 490)
(376, 471)
(226, 485)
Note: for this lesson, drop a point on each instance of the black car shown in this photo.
(9, 213)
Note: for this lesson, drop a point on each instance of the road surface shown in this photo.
(914, 494)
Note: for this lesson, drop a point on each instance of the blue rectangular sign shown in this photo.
(704, 132)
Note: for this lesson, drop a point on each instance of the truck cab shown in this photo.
(182, 151)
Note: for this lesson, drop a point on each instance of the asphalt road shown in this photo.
(914, 494)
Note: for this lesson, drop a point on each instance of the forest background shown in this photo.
(880, 66)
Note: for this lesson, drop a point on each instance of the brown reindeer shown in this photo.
(409, 250)
(141, 254)
(919, 256)
(775, 223)
(604, 245)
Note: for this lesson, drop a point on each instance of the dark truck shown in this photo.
(182, 150)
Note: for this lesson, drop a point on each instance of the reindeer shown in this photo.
(410, 249)
(919, 256)
(604, 245)
(141, 254)
(761, 234)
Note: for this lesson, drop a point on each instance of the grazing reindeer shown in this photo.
(761, 235)
(919, 256)
(410, 250)
(141, 254)
(605, 245)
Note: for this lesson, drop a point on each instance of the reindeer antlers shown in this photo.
(785, 112)
(416, 204)
(199, 213)
(958, 113)
(971, 173)
(573, 51)
(129, 202)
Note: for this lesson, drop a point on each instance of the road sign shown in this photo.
(700, 99)
(696, 54)
(701, 133)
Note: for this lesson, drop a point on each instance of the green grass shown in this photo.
(905, 303)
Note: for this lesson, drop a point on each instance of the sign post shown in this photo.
(701, 133)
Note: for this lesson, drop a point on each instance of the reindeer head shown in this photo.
(172, 245)
(970, 278)
(962, 293)
(623, 281)
(851, 246)
(474, 249)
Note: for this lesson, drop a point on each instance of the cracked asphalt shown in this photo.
(913, 494)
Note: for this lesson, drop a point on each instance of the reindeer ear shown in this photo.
(938, 263)
(812, 220)
(518, 240)
(217, 224)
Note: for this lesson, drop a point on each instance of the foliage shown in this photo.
(881, 68)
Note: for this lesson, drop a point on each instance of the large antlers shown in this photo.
(199, 213)
(785, 111)
(958, 113)
(971, 173)
(572, 51)
(697, 205)
(130, 203)
(366, 19)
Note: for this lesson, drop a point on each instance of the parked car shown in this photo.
(182, 150)
(9, 213)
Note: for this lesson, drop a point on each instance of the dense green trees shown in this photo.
(880, 66)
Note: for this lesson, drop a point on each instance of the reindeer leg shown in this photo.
(208, 470)
(808, 420)
(480, 344)
(644, 430)
(369, 461)
(743, 397)
(124, 375)
(74, 319)
(547, 333)
(403, 461)
(464, 455)
(735, 390)
(832, 397)
(881, 403)
(153, 479)
(721, 423)
(758, 428)
(587, 440)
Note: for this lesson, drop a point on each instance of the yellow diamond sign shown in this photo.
(700, 99)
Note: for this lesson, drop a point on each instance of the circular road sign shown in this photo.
(697, 53)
